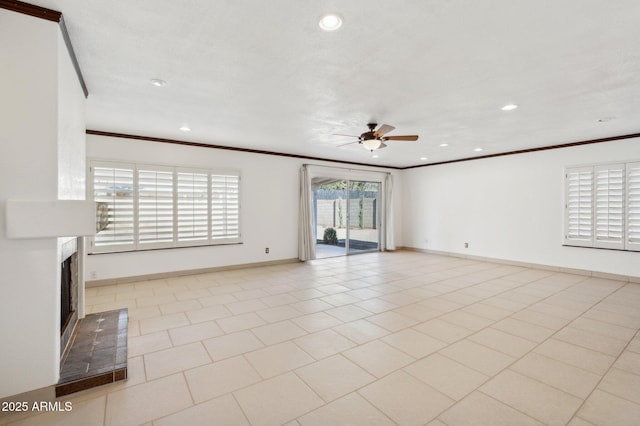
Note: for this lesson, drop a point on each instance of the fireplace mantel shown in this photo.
(49, 218)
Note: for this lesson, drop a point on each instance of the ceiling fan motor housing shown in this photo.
(367, 135)
(370, 134)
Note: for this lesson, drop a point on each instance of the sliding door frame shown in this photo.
(377, 218)
(348, 175)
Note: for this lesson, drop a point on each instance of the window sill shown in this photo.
(600, 248)
(164, 248)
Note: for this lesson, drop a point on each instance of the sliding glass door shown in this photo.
(330, 216)
(363, 232)
(346, 216)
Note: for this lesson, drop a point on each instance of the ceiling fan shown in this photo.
(375, 139)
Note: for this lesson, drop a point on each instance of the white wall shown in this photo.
(508, 208)
(28, 169)
(42, 157)
(269, 209)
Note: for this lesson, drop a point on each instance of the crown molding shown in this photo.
(529, 150)
(232, 148)
(382, 166)
(31, 10)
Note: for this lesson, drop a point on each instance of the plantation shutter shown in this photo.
(579, 206)
(113, 191)
(155, 206)
(225, 207)
(193, 206)
(143, 207)
(633, 207)
(609, 206)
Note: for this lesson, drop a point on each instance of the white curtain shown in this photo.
(306, 243)
(388, 208)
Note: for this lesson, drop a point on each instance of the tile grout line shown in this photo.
(575, 414)
(106, 404)
(507, 405)
(244, 414)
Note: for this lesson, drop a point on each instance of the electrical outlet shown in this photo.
(266, 250)
(93, 275)
(466, 245)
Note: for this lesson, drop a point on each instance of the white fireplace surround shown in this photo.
(42, 193)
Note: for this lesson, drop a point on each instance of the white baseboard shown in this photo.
(182, 273)
(595, 274)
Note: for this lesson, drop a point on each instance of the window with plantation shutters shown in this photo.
(149, 207)
(113, 191)
(193, 206)
(609, 206)
(225, 206)
(155, 206)
(633, 206)
(602, 206)
(579, 206)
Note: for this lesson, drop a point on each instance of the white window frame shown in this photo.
(610, 241)
(226, 204)
(148, 245)
(93, 248)
(633, 206)
(207, 239)
(137, 245)
(569, 238)
(625, 208)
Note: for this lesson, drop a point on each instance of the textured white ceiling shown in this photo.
(262, 75)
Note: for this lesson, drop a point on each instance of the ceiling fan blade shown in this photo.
(341, 134)
(382, 145)
(383, 130)
(401, 138)
(345, 144)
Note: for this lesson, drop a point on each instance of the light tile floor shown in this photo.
(381, 338)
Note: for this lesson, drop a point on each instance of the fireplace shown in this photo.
(93, 348)
(68, 285)
(68, 292)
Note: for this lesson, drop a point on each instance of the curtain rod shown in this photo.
(348, 168)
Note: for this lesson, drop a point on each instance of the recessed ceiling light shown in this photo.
(330, 22)
(158, 82)
(185, 128)
(509, 107)
(477, 149)
(423, 158)
(444, 144)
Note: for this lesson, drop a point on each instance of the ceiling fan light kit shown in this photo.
(375, 139)
(372, 144)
